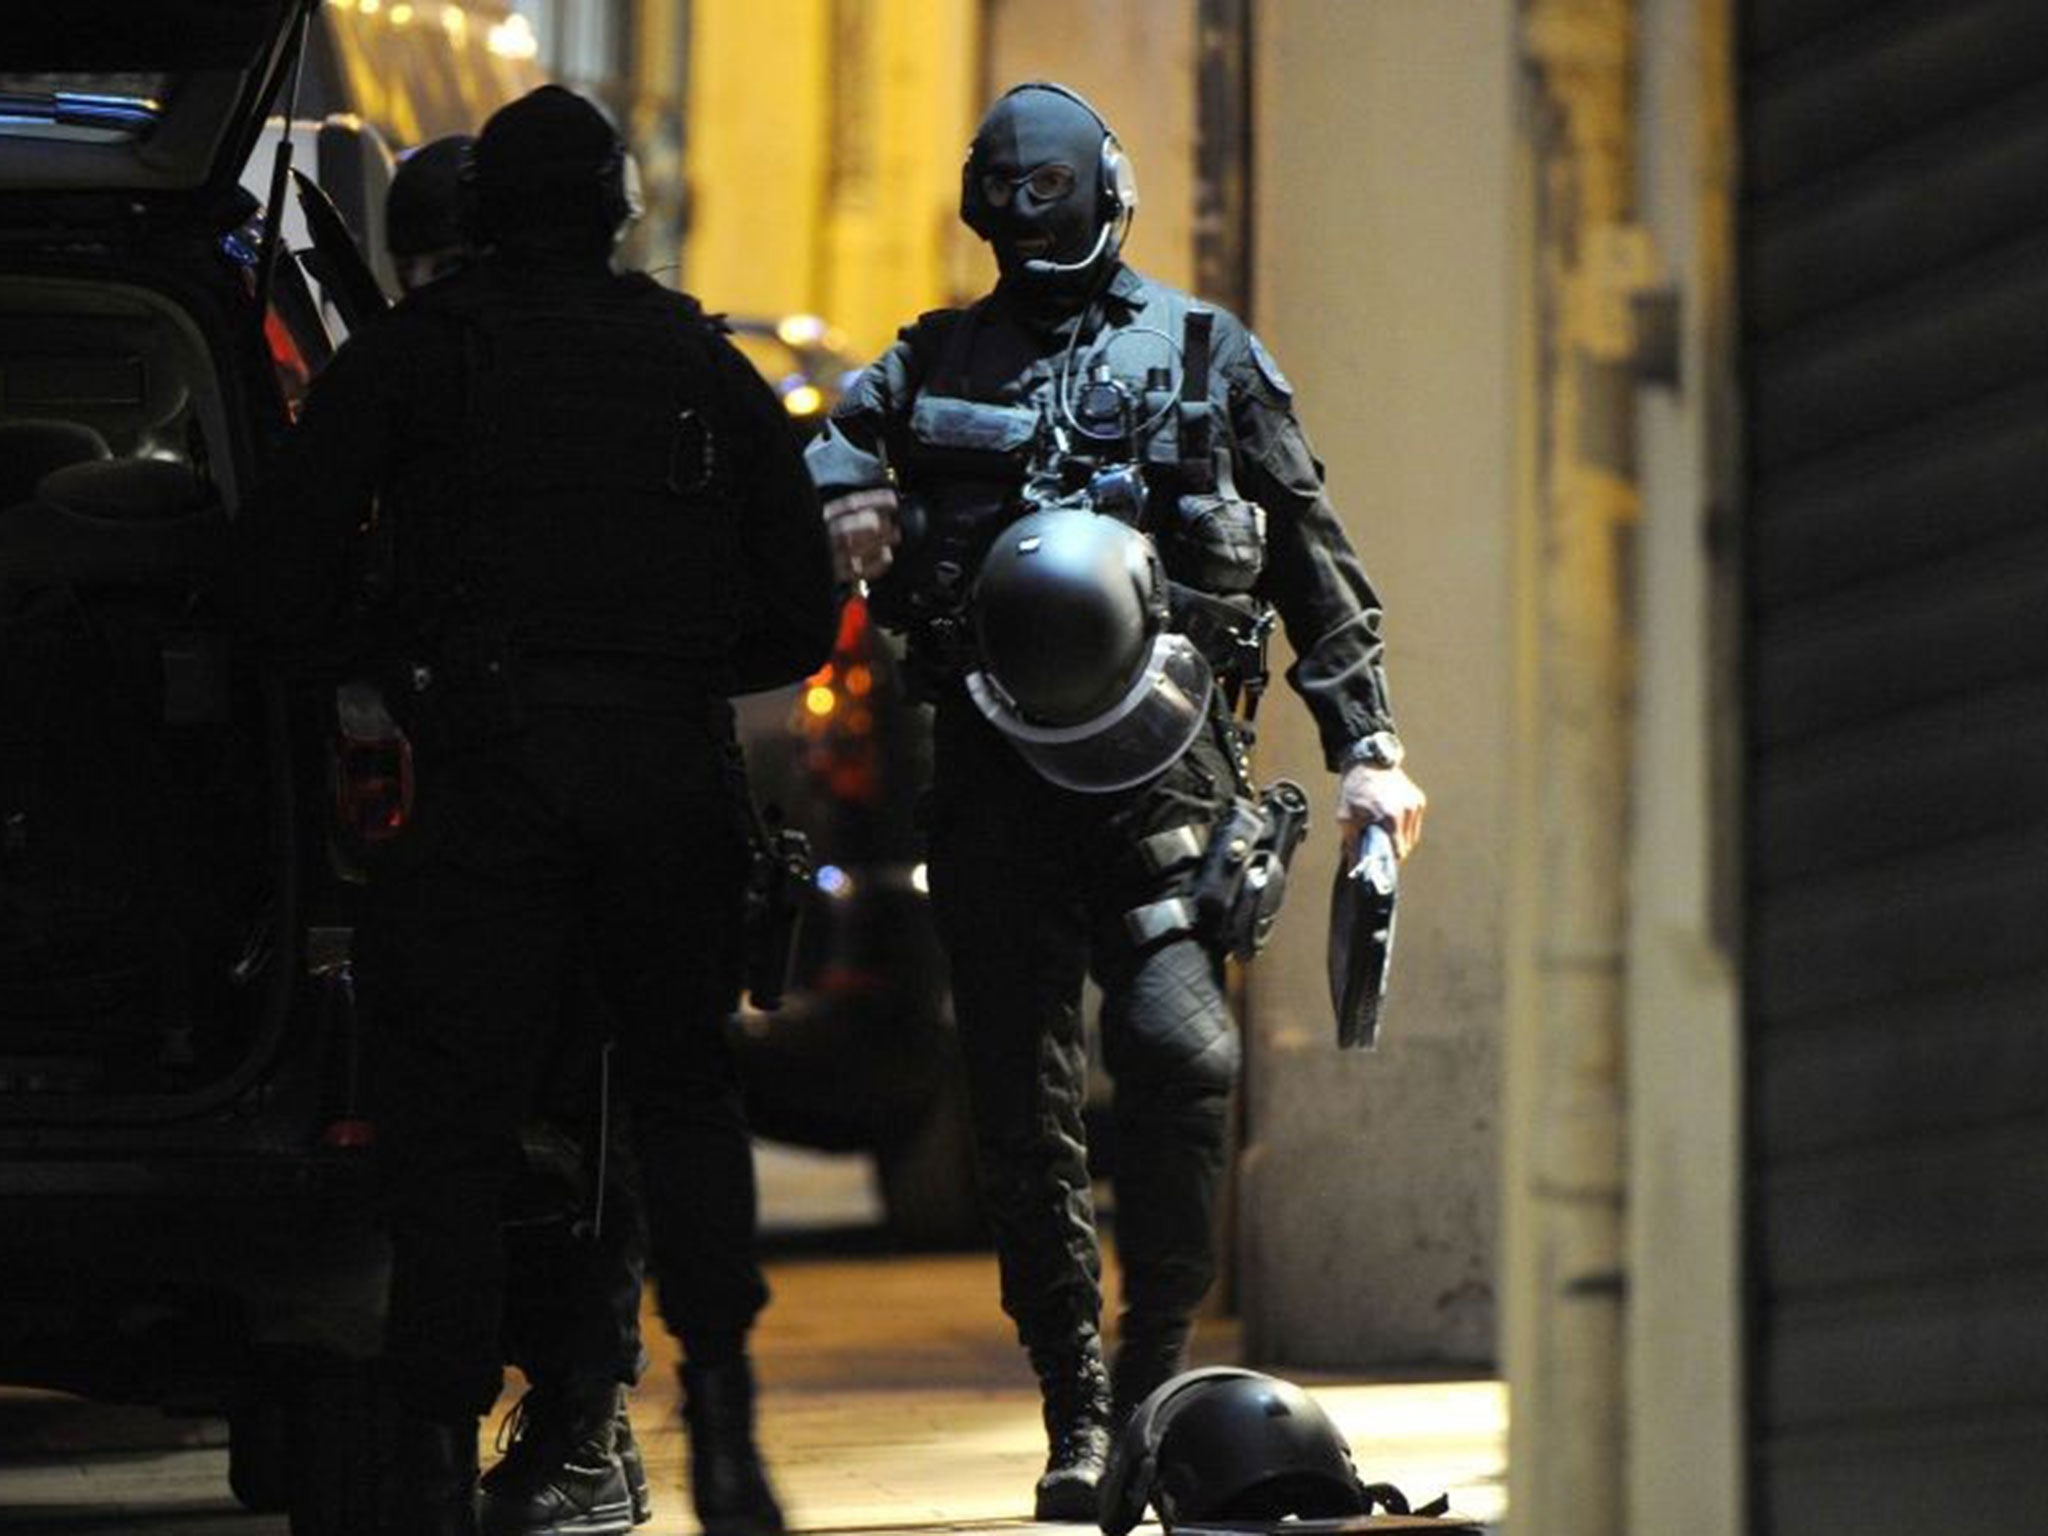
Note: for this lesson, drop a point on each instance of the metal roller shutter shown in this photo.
(1894, 235)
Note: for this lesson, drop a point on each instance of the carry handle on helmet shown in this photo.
(1134, 1460)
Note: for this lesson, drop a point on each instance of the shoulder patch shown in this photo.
(1270, 370)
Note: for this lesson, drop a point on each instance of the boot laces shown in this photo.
(547, 1431)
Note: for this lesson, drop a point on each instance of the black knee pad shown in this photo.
(1166, 1025)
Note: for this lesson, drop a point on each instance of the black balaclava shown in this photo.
(547, 169)
(1032, 126)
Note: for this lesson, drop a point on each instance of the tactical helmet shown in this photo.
(423, 211)
(551, 163)
(1229, 1444)
(1078, 670)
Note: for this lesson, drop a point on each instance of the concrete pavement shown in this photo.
(893, 1399)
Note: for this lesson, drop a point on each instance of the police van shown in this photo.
(183, 1140)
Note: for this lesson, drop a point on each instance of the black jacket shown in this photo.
(578, 458)
(997, 352)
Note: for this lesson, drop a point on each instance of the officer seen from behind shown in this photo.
(600, 530)
(1084, 497)
(576, 1255)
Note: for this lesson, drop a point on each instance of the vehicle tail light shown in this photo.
(853, 625)
(294, 373)
(836, 714)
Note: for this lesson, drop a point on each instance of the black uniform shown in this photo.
(601, 530)
(1031, 883)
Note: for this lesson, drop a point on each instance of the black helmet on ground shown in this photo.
(551, 170)
(1229, 1444)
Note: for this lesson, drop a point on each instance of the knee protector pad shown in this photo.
(1168, 1027)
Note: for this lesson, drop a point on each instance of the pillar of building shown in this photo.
(824, 157)
(1385, 182)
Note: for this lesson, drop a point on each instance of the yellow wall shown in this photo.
(1385, 186)
(824, 152)
(756, 152)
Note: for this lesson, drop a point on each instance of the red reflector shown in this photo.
(349, 1134)
(373, 787)
(293, 371)
(372, 766)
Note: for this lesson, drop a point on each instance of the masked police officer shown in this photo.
(1083, 497)
(601, 529)
(575, 1264)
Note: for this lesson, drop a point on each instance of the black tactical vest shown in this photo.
(593, 505)
(992, 408)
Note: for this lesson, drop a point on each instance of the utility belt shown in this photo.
(1239, 864)
(472, 692)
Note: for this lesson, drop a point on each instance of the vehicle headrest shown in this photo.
(122, 375)
(124, 490)
(30, 449)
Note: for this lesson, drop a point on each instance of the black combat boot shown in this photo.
(561, 1474)
(1075, 1387)
(436, 1484)
(727, 1481)
(1149, 1353)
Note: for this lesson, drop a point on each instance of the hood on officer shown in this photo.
(1048, 187)
(550, 172)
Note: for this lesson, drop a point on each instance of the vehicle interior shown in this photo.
(134, 804)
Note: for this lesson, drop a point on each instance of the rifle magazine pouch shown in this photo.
(1216, 542)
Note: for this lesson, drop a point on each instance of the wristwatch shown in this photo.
(1382, 749)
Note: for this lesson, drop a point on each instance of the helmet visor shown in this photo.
(1135, 739)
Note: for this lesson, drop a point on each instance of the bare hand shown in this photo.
(865, 530)
(1385, 795)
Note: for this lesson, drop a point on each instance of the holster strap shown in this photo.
(1160, 920)
(1175, 846)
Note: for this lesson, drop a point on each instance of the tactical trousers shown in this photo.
(594, 837)
(576, 1238)
(1030, 885)
(572, 1303)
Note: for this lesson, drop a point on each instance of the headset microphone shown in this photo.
(1040, 267)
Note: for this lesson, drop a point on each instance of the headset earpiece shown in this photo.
(632, 191)
(1117, 183)
(618, 187)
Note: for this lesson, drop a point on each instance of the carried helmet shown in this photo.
(551, 164)
(1078, 668)
(1224, 1443)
